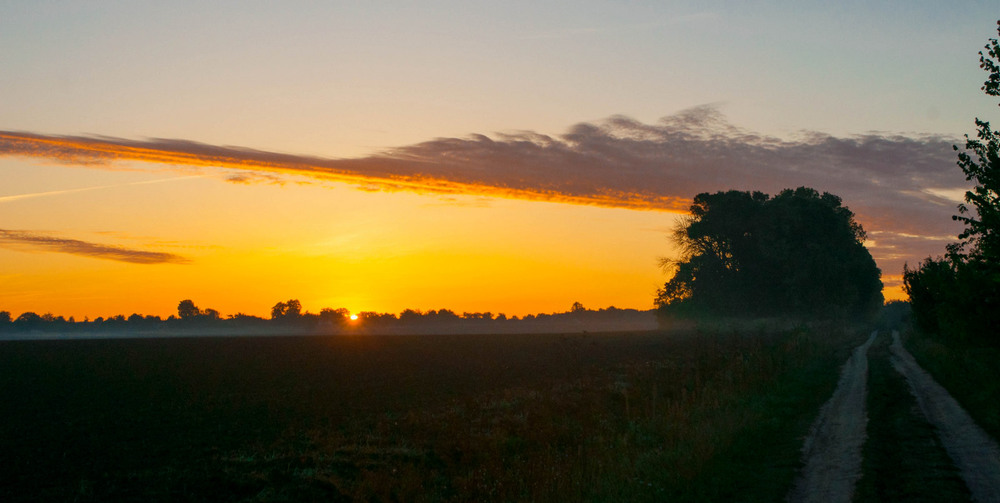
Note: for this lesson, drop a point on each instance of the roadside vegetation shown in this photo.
(680, 416)
(955, 298)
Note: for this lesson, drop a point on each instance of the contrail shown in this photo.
(18, 197)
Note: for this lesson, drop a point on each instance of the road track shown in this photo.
(832, 452)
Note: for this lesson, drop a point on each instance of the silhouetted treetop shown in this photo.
(747, 254)
(287, 310)
(186, 310)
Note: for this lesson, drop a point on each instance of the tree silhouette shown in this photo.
(745, 253)
(334, 317)
(982, 232)
(186, 310)
(287, 310)
(958, 295)
(28, 321)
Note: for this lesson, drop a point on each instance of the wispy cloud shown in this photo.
(29, 241)
(32, 195)
(895, 183)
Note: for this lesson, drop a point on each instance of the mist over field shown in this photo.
(583, 321)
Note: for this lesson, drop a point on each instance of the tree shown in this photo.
(745, 253)
(982, 232)
(958, 296)
(293, 308)
(186, 310)
(28, 321)
(287, 310)
(334, 317)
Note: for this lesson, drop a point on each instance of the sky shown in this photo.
(511, 157)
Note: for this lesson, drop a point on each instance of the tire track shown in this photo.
(973, 451)
(831, 454)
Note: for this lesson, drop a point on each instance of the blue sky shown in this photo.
(345, 78)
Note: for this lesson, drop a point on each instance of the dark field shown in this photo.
(601, 417)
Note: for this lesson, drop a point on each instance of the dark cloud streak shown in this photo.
(619, 162)
(37, 242)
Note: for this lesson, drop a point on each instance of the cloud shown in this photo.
(38, 242)
(895, 183)
(18, 197)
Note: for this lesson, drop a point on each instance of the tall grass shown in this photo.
(714, 415)
(723, 420)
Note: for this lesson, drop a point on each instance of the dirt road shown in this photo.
(832, 453)
(973, 451)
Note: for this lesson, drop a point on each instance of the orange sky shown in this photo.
(248, 246)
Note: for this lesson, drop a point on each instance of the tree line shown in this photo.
(289, 316)
(957, 295)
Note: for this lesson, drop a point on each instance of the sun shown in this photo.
(354, 317)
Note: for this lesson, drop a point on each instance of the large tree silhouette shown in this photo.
(747, 254)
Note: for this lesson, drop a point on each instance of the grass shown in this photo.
(684, 416)
(969, 372)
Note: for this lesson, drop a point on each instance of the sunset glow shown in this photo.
(374, 160)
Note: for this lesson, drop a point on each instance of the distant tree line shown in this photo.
(288, 316)
(957, 296)
(743, 254)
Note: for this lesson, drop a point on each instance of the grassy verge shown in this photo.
(970, 373)
(641, 417)
(903, 458)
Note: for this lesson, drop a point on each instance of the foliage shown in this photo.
(745, 253)
(186, 310)
(958, 296)
(287, 310)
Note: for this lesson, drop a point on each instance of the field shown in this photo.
(647, 416)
